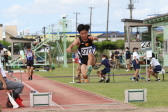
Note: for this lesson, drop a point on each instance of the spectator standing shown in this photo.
(116, 54)
(128, 58)
(136, 64)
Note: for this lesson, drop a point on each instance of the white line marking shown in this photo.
(38, 92)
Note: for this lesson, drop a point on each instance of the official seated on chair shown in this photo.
(154, 68)
(103, 72)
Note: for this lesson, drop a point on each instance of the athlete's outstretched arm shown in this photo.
(76, 42)
(93, 38)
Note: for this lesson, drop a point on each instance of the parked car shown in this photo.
(40, 60)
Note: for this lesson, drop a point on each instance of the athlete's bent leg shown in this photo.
(78, 71)
(91, 59)
(31, 74)
(28, 72)
(83, 71)
(99, 73)
(91, 62)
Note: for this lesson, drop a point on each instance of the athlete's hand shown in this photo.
(5, 87)
(91, 37)
(68, 50)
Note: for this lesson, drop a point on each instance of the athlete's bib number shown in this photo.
(86, 50)
(29, 54)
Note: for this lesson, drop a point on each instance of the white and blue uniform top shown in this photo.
(154, 62)
(29, 55)
(135, 54)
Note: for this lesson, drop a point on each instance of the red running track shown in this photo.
(64, 96)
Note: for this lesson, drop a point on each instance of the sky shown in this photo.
(39, 13)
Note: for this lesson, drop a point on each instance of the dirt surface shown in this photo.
(163, 109)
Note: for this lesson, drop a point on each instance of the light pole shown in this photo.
(64, 39)
(76, 21)
(91, 18)
(53, 25)
(107, 20)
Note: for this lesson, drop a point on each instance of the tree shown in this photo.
(5, 43)
(120, 44)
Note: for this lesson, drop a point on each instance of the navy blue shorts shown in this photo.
(136, 66)
(105, 70)
(157, 68)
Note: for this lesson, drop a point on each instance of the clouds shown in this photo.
(46, 7)
(40, 13)
(15, 22)
(163, 10)
(14, 11)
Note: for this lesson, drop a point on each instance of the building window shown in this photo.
(143, 31)
(19, 46)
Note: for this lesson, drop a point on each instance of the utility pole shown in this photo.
(76, 21)
(36, 34)
(131, 7)
(52, 25)
(64, 39)
(44, 31)
(107, 19)
(91, 18)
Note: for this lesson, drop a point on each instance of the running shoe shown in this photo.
(133, 78)
(101, 80)
(157, 80)
(78, 82)
(76, 78)
(86, 81)
(148, 80)
(108, 80)
(89, 69)
(31, 77)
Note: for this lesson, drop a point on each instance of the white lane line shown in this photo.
(38, 92)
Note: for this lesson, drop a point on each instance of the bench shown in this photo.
(109, 76)
(161, 72)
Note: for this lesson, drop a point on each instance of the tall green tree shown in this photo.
(120, 44)
(5, 43)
